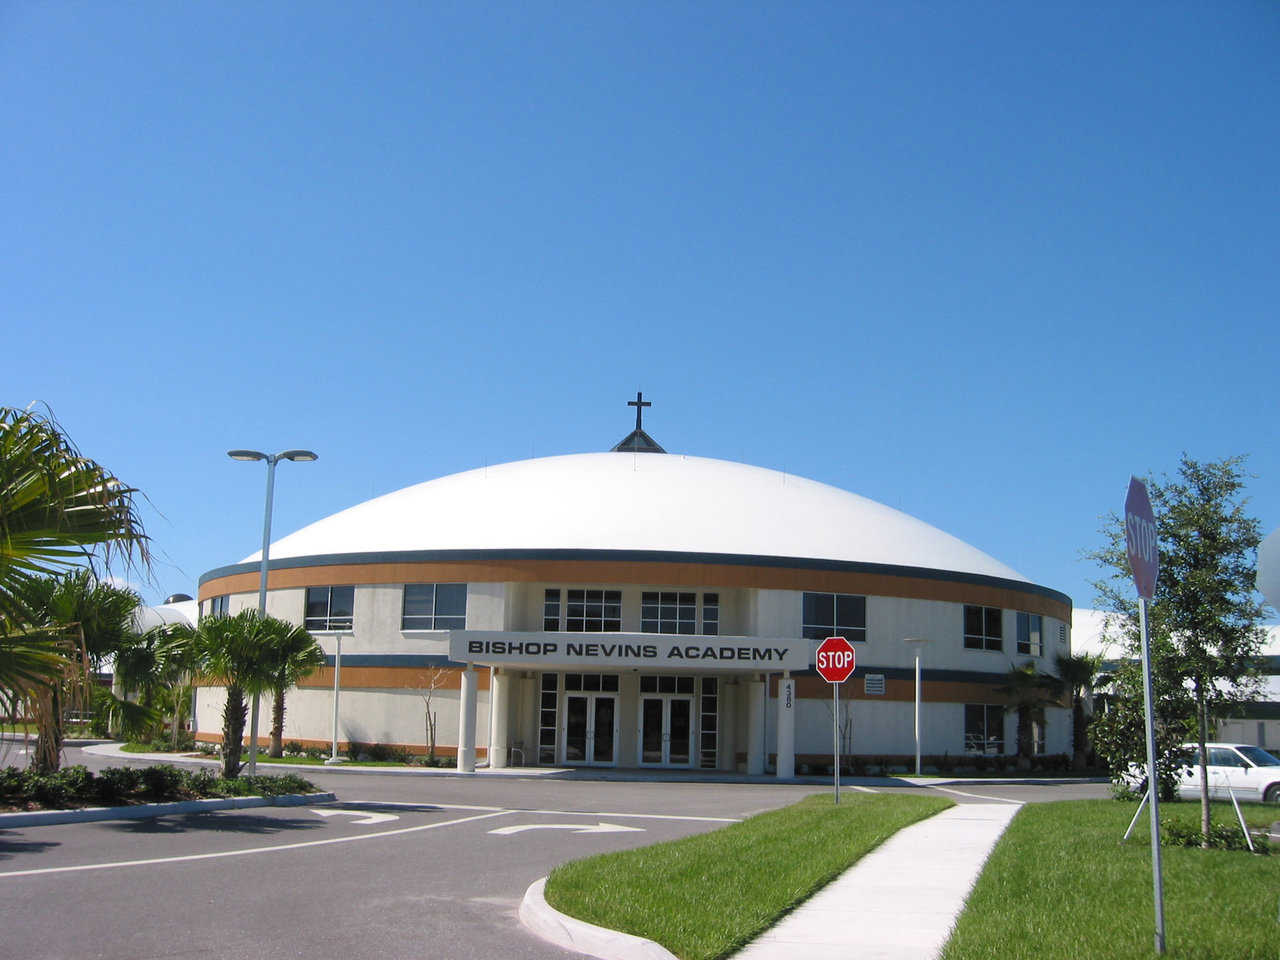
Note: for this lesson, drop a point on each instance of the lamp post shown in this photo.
(334, 759)
(301, 456)
(916, 643)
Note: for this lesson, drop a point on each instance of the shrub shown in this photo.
(12, 784)
(202, 783)
(1221, 836)
(163, 782)
(356, 749)
(116, 784)
(293, 749)
(315, 753)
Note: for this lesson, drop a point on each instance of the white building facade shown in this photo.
(634, 609)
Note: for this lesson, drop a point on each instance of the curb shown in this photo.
(143, 811)
(544, 921)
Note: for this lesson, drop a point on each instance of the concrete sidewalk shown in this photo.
(897, 903)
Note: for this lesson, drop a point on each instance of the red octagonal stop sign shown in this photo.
(1141, 539)
(835, 659)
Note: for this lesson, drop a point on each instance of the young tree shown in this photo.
(231, 653)
(1205, 614)
(1028, 692)
(1076, 673)
(291, 654)
(90, 621)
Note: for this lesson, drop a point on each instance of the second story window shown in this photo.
(668, 612)
(551, 610)
(711, 615)
(593, 611)
(1030, 634)
(835, 615)
(329, 608)
(434, 606)
(983, 628)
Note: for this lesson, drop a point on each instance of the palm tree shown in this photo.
(1077, 673)
(231, 653)
(57, 509)
(1028, 691)
(292, 654)
(144, 668)
(87, 621)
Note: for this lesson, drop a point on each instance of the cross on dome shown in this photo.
(639, 403)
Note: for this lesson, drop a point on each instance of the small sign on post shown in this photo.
(1141, 543)
(835, 662)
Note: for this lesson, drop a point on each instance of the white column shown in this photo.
(499, 696)
(786, 726)
(755, 726)
(467, 721)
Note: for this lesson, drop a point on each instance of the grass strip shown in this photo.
(708, 895)
(1061, 885)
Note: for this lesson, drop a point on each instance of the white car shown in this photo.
(1251, 773)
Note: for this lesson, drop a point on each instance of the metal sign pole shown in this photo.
(835, 739)
(1153, 787)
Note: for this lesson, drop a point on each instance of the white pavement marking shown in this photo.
(251, 850)
(977, 796)
(575, 827)
(365, 817)
(854, 786)
(637, 816)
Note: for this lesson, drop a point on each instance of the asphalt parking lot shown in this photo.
(398, 867)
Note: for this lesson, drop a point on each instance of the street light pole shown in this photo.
(916, 643)
(301, 456)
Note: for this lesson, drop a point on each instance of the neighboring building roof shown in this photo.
(624, 502)
(184, 611)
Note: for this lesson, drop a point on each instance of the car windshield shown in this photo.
(1259, 757)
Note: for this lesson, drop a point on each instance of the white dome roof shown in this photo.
(637, 502)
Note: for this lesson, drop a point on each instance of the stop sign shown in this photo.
(1140, 538)
(835, 659)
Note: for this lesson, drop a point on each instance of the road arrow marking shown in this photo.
(575, 827)
(365, 816)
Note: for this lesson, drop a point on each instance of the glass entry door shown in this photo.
(666, 730)
(591, 733)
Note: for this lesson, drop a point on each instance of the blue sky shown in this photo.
(979, 262)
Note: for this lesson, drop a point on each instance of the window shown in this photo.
(434, 606)
(668, 612)
(835, 615)
(709, 709)
(591, 682)
(711, 614)
(551, 610)
(983, 729)
(547, 704)
(598, 611)
(665, 684)
(1030, 634)
(983, 628)
(218, 606)
(329, 608)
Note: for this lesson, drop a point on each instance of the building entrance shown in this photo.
(666, 721)
(591, 719)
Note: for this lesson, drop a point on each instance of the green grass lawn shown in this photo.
(1061, 885)
(708, 895)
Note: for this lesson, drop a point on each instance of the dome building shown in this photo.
(643, 609)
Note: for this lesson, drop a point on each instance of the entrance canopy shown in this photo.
(608, 651)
